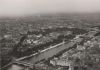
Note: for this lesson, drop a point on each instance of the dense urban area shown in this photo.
(24, 37)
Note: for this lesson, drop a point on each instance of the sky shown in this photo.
(29, 7)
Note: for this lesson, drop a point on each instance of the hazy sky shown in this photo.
(24, 7)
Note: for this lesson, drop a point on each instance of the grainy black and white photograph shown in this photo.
(49, 34)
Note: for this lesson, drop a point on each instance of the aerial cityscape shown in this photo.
(50, 42)
(49, 34)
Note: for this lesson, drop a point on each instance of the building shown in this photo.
(71, 64)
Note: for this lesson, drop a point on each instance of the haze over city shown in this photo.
(30, 7)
